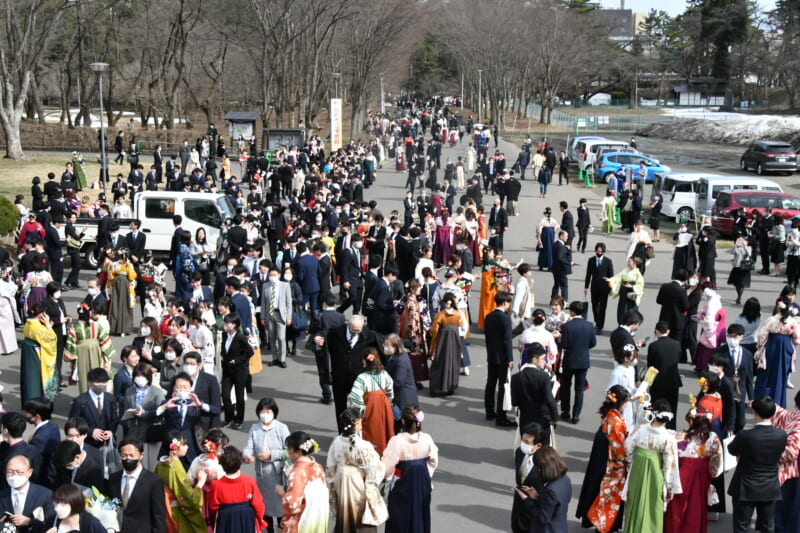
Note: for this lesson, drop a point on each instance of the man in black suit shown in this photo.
(474, 191)
(674, 303)
(499, 359)
(94, 294)
(327, 320)
(206, 387)
(577, 338)
(598, 270)
(103, 227)
(404, 254)
(98, 408)
(77, 430)
(384, 315)
(13, 430)
(623, 335)
(55, 247)
(237, 237)
(583, 224)
(424, 205)
(136, 242)
(719, 365)
(51, 189)
(26, 505)
(182, 413)
(755, 484)
(562, 266)
(567, 222)
(449, 194)
(532, 393)
(664, 354)
(498, 219)
(352, 280)
(140, 491)
(235, 354)
(525, 473)
(467, 259)
(347, 345)
(71, 464)
(46, 434)
(57, 311)
(175, 245)
(739, 370)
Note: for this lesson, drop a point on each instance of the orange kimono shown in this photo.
(603, 512)
(494, 278)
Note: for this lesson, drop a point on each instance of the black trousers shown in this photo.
(411, 181)
(743, 512)
(496, 376)
(324, 371)
(57, 267)
(75, 265)
(560, 285)
(340, 392)
(562, 173)
(351, 296)
(599, 305)
(582, 238)
(236, 380)
(567, 377)
(764, 250)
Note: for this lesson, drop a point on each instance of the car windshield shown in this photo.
(780, 149)
(225, 205)
(791, 203)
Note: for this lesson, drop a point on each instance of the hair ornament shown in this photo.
(211, 449)
(781, 305)
(370, 357)
(663, 415)
(610, 396)
(309, 446)
(420, 416)
(174, 445)
(703, 382)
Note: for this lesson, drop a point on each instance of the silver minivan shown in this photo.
(678, 192)
(709, 188)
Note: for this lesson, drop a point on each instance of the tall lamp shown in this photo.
(99, 68)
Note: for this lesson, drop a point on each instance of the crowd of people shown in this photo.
(306, 246)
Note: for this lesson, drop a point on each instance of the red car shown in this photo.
(728, 202)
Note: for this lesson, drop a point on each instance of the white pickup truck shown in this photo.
(155, 210)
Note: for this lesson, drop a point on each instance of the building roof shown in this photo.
(239, 116)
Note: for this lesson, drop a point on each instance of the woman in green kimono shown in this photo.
(609, 205)
(38, 378)
(88, 344)
(628, 286)
(80, 172)
(184, 501)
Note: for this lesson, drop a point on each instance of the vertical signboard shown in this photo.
(336, 124)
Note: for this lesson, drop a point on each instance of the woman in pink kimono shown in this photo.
(443, 246)
(711, 318)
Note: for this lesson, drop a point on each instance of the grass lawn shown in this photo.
(16, 176)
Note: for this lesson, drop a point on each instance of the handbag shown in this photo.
(73, 243)
(156, 430)
(649, 252)
(299, 321)
(747, 263)
(507, 392)
(729, 460)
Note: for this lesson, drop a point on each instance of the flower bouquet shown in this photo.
(105, 509)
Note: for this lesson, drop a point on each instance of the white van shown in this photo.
(589, 155)
(578, 146)
(678, 192)
(709, 188)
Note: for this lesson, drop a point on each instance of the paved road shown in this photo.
(473, 483)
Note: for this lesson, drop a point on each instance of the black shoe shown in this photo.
(574, 420)
(505, 423)
(326, 401)
(274, 363)
(490, 416)
(281, 364)
(226, 424)
(236, 425)
(565, 417)
(598, 331)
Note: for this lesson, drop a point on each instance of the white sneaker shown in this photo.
(466, 371)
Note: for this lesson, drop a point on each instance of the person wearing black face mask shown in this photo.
(597, 269)
(140, 491)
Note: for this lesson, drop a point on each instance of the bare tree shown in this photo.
(27, 28)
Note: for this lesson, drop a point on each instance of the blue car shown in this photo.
(611, 163)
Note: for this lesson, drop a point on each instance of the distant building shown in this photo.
(621, 25)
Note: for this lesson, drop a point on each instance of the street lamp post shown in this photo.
(99, 68)
(383, 102)
(480, 103)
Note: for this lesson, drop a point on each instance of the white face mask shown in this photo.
(144, 331)
(170, 356)
(526, 448)
(16, 482)
(140, 381)
(714, 369)
(190, 369)
(62, 510)
(57, 295)
(93, 292)
(288, 277)
(274, 279)
(733, 342)
(693, 282)
(266, 418)
(357, 244)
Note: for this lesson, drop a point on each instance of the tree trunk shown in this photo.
(13, 140)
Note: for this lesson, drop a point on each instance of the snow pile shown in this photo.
(732, 129)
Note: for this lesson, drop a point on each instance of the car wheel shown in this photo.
(89, 256)
(685, 213)
(787, 173)
(759, 170)
(607, 176)
(742, 164)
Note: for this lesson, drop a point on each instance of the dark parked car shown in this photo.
(770, 156)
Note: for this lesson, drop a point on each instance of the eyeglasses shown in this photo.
(16, 472)
(73, 435)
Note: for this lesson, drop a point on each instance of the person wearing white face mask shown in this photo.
(139, 406)
(206, 387)
(739, 370)
(26, 505)
(70, 512)
(266, 446)
(525, 474)
(182, 413)
(171, 365)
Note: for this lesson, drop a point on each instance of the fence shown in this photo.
(622, 122)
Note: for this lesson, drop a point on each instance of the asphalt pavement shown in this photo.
(473, 484)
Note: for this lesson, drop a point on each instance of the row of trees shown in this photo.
(172, 59)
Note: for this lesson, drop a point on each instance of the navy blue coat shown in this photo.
(38, 496)
(45, 439)
(84, 407)
(577, 337)
(242, 308)
(549, 512)
(405, 389)
(307, 273)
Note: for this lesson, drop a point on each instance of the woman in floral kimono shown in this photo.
(778, 338)
(305, 498)
(354, 470)
(787, 511)
(88, 345)
(34, 286)
(496, 277)
(9, 317)
(653, 476)
(605, 512)
(700, 460)
(628, 286)
(184, 500)
(413, 328)
(122, 280)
